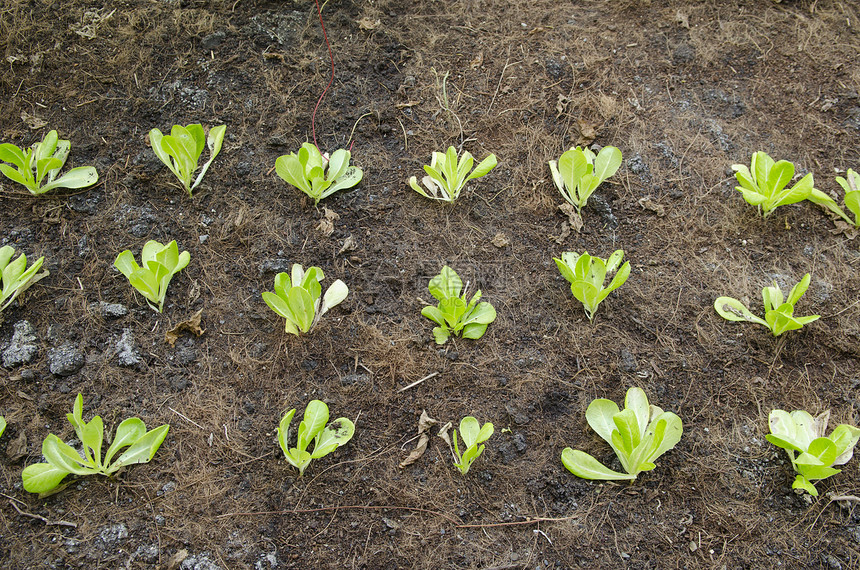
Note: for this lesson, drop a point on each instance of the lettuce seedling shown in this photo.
(181, 149)
(778, 312)
(17, 277)
(639, 434)
(297, 298)
(446, 176)
(2, 425)
(454, 314)
(586, 275)
(799, 432)
(851, 185)
(316, 174)
(64, 459)
(579, 172)
(474, 435)
(313, 427)
(41, 163)
(160, 263)
(764, 183)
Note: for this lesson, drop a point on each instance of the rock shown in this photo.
(351, 379)
(213, 40)
(65, 361)
(109, 535)
(126, 353)
(109, 310)
(21, 349)
(199, 562)
(627, 361)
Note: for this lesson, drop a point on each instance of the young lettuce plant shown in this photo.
(587, 273)
(764, 184)
(639, 435)
(2, 425)
(474, 435)
(778, 312)
(64, 459)
(37, 168)
(454, 314)
(316, 174)
(16, 276)
(180, 150)
(851, 185)
(313, 427)
(446, 176)
(297, 298)
(579, 172)
(159, 264)
(798, 432)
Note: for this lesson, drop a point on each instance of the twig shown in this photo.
(519, 523)
(344, 507)
(41, 518)
(185, 418)
(428, 377)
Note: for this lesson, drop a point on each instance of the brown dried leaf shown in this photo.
(368, 24)
(177, 559)
(17, 448)
(191, 325)
(348, 245)
(573, 216)
(846, 229)
(478, 61)
(425, 422)
(587, 132)
(561, 105)
(33, 121)
(500, 240)
(326, 225)
(647, 203)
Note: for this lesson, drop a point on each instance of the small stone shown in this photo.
(627, 361)
(213, 40)
(127, 354)
(21, 349)
(65, 361)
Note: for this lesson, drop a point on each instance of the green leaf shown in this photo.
(845, 437)
(315, 420)
(484, 167)
(303, 308)
(441, 334)
(2, 425)
(600, 414)
(800, 482)
(585, 466)
(284, 432)
(733, 310)
(337, 433)
(128, 432)
(42, 477)
(64, 457)
(142, 450)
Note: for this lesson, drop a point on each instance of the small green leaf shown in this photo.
(2, 425)
(336, 434)
(42, 477)
(585, 466)
(142, 450)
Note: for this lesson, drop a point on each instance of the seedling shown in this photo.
(64, 459)
(316, 174)
(446, 176)
(297, 298)
(474, 435)
(586, 275)
(764, 184)
(579, 172)
(639, 435)
(454, 314)
(313, 427)
(799, 432)
(2, 425)
(778, 312)
(17, 277)
(37, 168)
(160, 263)
(181, 150)
(851, 185)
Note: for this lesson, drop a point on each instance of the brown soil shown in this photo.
(685, 89)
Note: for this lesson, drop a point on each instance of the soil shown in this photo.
(685, 89)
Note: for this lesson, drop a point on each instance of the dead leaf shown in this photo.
(587, 132)
(478, 61)
(17, 448)
(177, 559)
(647, 203)
(500, 240)
(573, 216)
(191, 325)
(326, 225)
(407, 104)
(368, 25)
(443, 433)
(32, 121)
(848, 230)
(565, 233)
(561, 105)
(682, 19)
(348, 245)
(425, 422)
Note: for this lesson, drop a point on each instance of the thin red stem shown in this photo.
(330, 81)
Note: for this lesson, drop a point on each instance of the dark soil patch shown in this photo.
(685, 89)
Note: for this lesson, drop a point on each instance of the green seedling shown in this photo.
(798, 432)
(851, 185)
(446, 176)
(2, 425)
(17, 277)
(579, 172)
(454, 314)
(159, 264)
(316, 174)
(297, 298)
(586, 275)
(313, 427)
(474, 435)
(764, 185)
(778, 312)
(180, 150)
(639, 435)
(64, 459)
(37, 168)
